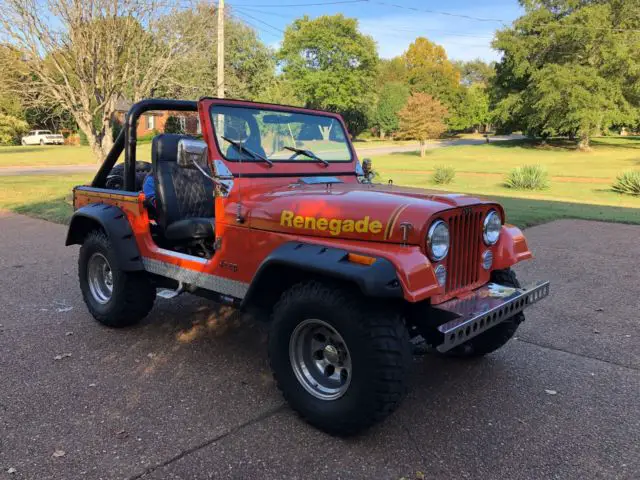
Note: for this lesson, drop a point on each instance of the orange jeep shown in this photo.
(271, 211)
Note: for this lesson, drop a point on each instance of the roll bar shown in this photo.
(127, 138)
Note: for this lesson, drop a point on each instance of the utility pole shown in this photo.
(220, 65)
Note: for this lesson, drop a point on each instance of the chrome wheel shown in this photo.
(100, 278)
(320, 359)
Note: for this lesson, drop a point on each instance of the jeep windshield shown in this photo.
(254, 134)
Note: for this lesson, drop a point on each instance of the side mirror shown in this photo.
(193, 153)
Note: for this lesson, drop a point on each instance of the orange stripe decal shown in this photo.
(392, 221)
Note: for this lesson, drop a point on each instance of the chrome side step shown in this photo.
(485, 308)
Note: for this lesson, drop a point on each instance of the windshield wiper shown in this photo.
(307, 153)
(240, 146)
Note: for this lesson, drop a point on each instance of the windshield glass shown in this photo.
(250, 133)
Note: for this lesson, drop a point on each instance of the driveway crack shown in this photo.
(210, 441)
(557, 349)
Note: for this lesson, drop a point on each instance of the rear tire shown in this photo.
(114, 297)
(340, 362)
(495, 337)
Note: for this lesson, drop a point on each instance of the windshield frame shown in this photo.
(281, 109)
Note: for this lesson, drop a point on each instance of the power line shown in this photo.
(301, 4)
(254, 26)
(260, 21)
(448, 14)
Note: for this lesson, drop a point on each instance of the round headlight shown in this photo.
(492, 226)
(438, 240)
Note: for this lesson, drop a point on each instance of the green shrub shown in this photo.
(627, 183)
(527, 177)
(172, 125)
(147, 137)
(443, 175)
(11, 129)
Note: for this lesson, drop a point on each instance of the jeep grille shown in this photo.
(463, 262)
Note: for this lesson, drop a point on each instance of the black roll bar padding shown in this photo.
(130, 140)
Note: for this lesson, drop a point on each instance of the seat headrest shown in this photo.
(164, 147)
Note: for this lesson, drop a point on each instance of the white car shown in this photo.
(42, 137)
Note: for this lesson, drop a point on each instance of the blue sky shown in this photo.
(393, 27)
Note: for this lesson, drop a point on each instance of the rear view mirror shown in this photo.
(193, 153)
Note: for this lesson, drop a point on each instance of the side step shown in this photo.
(485, 308)
(168, 294)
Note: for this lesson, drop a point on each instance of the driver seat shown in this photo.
(184, 197)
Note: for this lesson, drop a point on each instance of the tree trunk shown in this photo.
(423, 148)
(584, 144)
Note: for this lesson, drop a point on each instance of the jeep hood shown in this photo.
(349, 210)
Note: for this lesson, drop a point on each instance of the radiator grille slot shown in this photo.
(465, 229)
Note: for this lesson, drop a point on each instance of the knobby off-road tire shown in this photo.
(114, 297)
(371, 342)
(495, 337)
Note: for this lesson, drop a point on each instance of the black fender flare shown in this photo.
(379, 280)
(113, 221)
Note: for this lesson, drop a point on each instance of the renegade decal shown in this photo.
(335, 226)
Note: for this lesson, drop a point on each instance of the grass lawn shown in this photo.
(579, 187)
(42, 196)
(50, 155)
(580, 183)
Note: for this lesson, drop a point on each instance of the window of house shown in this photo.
(183, 123)
(151, 122)
(198, 127)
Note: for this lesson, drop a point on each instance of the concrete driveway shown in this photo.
(188, 394)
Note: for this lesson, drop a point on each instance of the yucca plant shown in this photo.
(627, 183)
(443, 175)
(527, 177)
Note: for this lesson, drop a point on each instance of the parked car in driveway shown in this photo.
(42, 137)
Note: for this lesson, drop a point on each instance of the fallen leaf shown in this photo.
(595, 330)
(151, 355)
(122, 434)
(550, 392)
(12, 470)
(65, 309)
(68, 334)
(58, 453)
(627, 336)
(599, 309)
(92, 384)
(60, 357)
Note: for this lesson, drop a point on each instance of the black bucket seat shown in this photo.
(184, 197)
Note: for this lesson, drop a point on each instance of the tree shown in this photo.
(430, 71)
(393, 70)
(83, 56)
(472, 109)
(422, 118)
(391, 100)
(475, 72)
(569, 68)
(330, 65)
(249, 64)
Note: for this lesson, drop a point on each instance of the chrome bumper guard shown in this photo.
(485, 308)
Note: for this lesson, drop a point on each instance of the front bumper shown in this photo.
(485, 308)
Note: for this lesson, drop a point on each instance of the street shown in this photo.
(188, 393)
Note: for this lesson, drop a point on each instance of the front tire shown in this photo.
(495, 337)
(114, 297)
(341, 363)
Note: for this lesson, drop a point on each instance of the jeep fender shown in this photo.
(113, 221)
(378, 280)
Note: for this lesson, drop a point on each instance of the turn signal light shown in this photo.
(361, 259)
